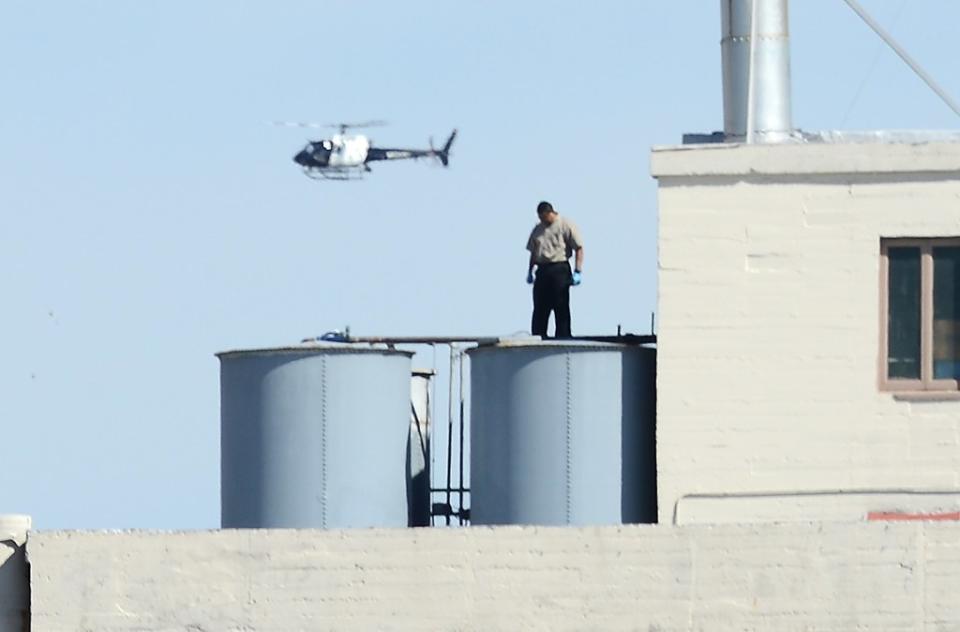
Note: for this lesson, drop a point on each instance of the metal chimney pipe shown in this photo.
(771, 119)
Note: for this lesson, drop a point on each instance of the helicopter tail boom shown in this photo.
(383, 153)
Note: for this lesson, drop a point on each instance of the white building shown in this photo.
(777, 386)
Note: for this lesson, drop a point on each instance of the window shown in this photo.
(920, 314)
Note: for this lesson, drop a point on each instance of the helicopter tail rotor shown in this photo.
(444, 154)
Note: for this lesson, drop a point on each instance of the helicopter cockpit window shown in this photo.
(327, 145)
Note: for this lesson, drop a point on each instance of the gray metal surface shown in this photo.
(562, 434)
(889, 136)
(836, 137)
(314, 436)
(770, 102)
(418, 446)
(14, 573)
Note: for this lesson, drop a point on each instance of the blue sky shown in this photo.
(151, 217)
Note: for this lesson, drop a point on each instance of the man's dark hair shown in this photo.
(544, 207)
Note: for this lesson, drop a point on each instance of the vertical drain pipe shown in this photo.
(756, 100)
(14, 574)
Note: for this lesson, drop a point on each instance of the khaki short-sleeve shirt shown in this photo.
(554, 243)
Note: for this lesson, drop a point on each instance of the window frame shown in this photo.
(926, 383)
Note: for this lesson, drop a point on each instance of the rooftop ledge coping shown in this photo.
(827, 153)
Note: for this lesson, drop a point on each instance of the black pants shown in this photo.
(551, 293)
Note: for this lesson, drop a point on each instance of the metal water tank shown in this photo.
(14, 573)
(314, 436)
(562, 433)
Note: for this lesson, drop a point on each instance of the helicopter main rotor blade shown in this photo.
(340, 126)
(371, 123)
(298, 124)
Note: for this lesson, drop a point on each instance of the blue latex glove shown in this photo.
(577, 278)
(530, 277)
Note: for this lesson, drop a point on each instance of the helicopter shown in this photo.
(348, 157)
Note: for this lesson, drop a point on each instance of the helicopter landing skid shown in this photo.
(327, 173)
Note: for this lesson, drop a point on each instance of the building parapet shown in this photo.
(827, 153)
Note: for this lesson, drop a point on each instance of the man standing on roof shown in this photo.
(551, 244)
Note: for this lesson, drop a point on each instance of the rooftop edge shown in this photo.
(826, 153)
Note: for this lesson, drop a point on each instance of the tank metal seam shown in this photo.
(323, 443)
(569, 443)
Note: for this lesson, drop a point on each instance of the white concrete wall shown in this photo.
(769, 324)
(836, 576)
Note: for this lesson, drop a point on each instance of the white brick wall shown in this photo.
(769, 321)
(831, 576)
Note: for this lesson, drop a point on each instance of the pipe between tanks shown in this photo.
(623, 338)
(756, 96)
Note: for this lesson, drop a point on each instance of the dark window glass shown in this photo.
(946, 313)
(903, 324)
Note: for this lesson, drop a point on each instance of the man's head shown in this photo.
(546, 213)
